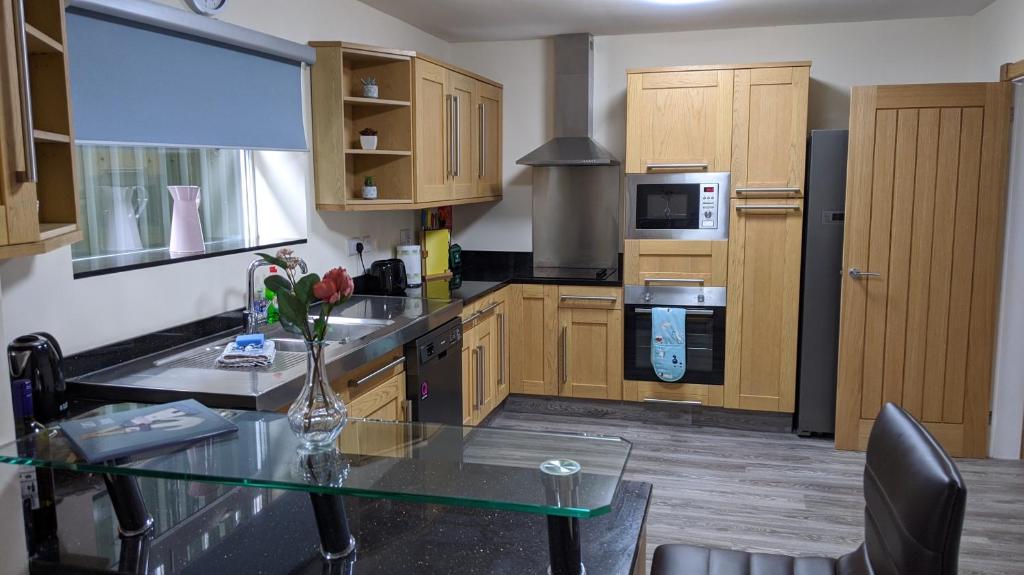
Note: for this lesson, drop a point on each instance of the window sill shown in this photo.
(101, 265)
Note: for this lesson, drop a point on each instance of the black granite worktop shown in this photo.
(204, 528)
(517, 267)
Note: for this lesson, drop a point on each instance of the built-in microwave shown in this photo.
(680, 206)
(705, 331)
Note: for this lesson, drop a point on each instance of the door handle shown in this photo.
(31, 173)
(368, 378)
(482, 368)
(476, 377)
(457, 121)
(482, 164)
(856, 274)
(565, 354)
(677, 166)
(501, 349)
(450, 134)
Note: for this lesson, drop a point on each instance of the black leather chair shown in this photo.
(913, 516)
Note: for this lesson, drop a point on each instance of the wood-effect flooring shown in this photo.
(776, 492)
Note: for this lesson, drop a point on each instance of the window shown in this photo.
(127, 208)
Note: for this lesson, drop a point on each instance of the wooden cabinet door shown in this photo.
(590, 353)
(769, 132)
(487, 346)
(533, 339)
(926, 191)
(487, 136)
(19, 221)
(679, 121)
(386, 401)
(462, 90)
(763, 304)
(433, 133)
(469, 375)
(502, 351)
(676, 259)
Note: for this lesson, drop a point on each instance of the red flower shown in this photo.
(323, 290)
(342, 282)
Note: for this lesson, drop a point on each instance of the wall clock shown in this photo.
(206, 7)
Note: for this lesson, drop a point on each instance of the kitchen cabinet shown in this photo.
(485, 382)
(678, 119)
(763, 303)
(706, 395)
(38, 188)
(566, 341)
(707, 261)
(487, 128)
(769, 132)
(433, 121)
(384, 401)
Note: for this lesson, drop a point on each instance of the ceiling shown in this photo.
(483, 20)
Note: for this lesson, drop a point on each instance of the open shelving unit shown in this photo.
(42, 216)
(341, 112)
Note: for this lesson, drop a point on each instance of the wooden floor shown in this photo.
(776, 492)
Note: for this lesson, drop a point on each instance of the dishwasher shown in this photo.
(433, 378)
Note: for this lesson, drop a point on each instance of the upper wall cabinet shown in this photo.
(678, 119)
(432, 133)
(38, 198)
(769, 137)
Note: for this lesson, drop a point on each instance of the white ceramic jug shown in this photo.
(186, 230)
(122, 207)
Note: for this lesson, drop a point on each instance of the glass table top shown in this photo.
(422, 462)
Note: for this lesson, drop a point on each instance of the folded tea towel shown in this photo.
(668, 342)
(247, 356)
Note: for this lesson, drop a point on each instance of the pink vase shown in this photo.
(186, 230)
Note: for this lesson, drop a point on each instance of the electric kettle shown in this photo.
(37, 357)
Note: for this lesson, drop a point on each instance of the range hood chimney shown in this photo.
(573, 144)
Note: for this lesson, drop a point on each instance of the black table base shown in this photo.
(336, 541)
(564, 546)
(132, 517)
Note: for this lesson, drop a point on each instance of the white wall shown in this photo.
(998, 39)
(13, 560)
(40, 293)
(843, 55)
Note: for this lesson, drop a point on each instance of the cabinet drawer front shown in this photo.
(641, 391)
(382, 402)
(667, 259)
(589, 297)
(363, 380)
(696, 79)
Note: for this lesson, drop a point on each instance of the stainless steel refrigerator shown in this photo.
(821, 281)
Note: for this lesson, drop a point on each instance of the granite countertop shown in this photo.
(517, 267)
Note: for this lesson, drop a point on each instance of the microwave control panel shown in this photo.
(708, 206)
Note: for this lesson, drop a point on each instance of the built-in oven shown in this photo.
(705, 331)
(679, 206)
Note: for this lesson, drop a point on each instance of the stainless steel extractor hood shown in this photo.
(573, 144)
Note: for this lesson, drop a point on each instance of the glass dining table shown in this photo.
(565, 477)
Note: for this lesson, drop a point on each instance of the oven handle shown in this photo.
(695, 311)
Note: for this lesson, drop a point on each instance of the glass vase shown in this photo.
(318, 414)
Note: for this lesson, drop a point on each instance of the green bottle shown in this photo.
(273, 315)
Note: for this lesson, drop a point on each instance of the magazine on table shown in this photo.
(108, 437)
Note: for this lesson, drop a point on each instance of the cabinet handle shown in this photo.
(607, 298)
(31, 172)
(767, 207)
(676, 166)
(741, 191)
(476, 378)
(482, 374)
(471, 318)
(698, 281)
(458, 136)
(675, 401)
(483, 141)
(501, 349)
(565, 354)
(449, 135)
(488, 309)
(368, 378)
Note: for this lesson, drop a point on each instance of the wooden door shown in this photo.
(763, 304)
(926, 187)
(769, 138)
(487, 136)
(486, 345)
(462, 90)
(591, 341)
(501, 352)
(19, 220)
(433, 133)
(533, 339)
(469, 375)
(679, 121)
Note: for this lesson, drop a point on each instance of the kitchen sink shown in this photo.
(346, 329)
(289, 345)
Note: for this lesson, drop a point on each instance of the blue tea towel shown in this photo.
(668, 342)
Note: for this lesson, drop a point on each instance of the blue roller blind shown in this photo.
(132, 83)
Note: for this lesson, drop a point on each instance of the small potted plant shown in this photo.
(369, 189)
(370, 88)
(368, 139)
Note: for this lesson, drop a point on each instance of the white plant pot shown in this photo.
(371, 91)
(369, 192)
(368, 142)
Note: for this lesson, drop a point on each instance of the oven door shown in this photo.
(677, 206)
(705, 344)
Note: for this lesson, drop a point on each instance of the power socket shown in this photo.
(352, 251)
(368, 246)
